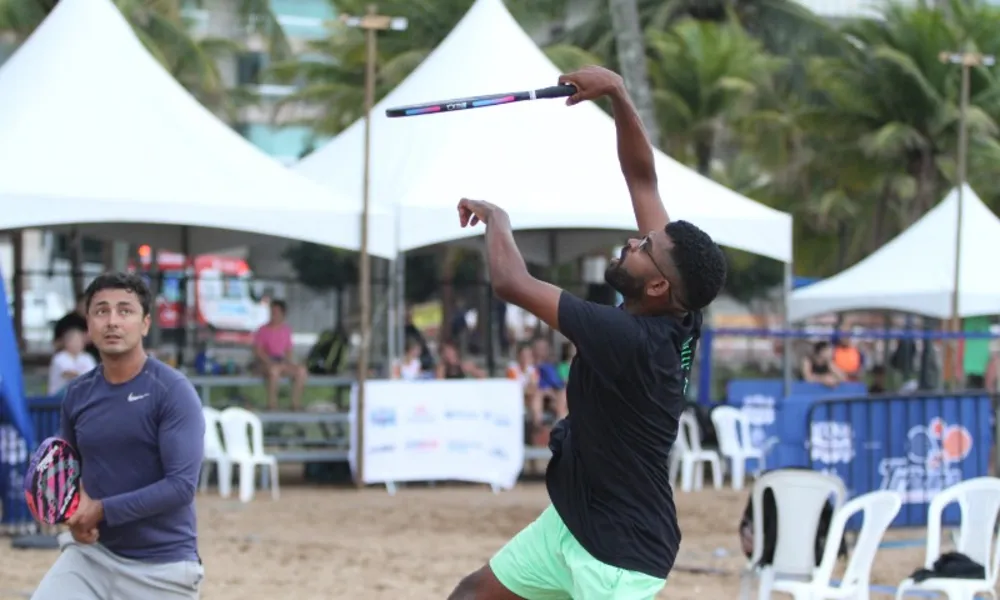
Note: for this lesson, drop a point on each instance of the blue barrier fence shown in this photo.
(15, 518)
(914, 444)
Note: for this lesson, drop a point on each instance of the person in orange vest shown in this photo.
(847, 358)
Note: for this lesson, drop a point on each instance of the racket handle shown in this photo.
(556, 91)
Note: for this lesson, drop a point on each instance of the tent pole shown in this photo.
(786, 342)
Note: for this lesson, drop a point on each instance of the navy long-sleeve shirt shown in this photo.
(141, 445)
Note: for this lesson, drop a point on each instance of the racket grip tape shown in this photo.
(556, 91)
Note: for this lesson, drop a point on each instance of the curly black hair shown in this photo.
(700, 262)
(121, 281)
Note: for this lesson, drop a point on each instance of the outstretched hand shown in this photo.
(472, 212)
(591, 83)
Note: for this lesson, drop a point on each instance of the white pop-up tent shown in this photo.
(550, 166)
(915, 271)
(94, 132)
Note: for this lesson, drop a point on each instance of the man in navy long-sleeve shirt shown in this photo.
(138, 427)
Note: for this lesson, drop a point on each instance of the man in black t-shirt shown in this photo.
(611, 532)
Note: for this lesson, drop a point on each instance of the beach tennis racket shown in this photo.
(52, 482)
(556, 91)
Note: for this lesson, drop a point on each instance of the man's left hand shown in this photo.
(88, 515)
(471, 212)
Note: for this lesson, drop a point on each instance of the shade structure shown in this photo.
(915, 271)
(551, 167)
(94, 132)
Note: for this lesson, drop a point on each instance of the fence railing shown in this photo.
(914, 444)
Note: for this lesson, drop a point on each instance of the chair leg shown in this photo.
(699, 475)
(687, 474)
(203, 477)
(716, 473)
(224, 469)
(274, 481)
(247, 482)
(737, 473)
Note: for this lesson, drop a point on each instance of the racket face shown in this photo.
(52, 482)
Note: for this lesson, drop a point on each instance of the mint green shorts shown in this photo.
(545, 562)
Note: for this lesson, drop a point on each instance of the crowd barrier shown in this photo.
(45, 415)
(914, 444)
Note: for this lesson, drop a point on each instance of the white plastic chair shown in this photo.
(215, 453)
(799, 498)
(732, 429)
(244, 436)
(979, 502)
(879, 509)
(688, 454)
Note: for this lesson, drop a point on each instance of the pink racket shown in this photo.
(52, 482)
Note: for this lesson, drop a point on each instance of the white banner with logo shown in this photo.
(459, 430)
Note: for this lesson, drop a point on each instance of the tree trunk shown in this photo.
(703, 155)
(631, 50)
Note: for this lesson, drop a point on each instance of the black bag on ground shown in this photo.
(770, 512)
(951, 565)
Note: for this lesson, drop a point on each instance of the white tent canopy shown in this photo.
(550, 166)
(915, 271)
(93, 131)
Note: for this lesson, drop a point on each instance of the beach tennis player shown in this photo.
(611, 531)
(137, 427)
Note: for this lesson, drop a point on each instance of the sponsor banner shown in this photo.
(460, 430)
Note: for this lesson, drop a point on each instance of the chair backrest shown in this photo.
(978, 500)
(879, 509)
(799, 498)
(732, 429)
(214, 445)
(689, 435)
(243, 433)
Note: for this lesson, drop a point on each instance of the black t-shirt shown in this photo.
(608, 478)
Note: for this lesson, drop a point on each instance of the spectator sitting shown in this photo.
(550, 384)
(847, 358)
(273, 350)
(819, 368)
(451, 365)
(523, 370)
(70, 362)
(75, 319)
(410, 366)
(878, 380)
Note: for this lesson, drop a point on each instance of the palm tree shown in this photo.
(631, 54)
(706, 76)
(331, 77)
(163, 30)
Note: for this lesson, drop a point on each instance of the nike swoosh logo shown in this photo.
(134, 397)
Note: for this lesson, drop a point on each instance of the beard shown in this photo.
(623, 282)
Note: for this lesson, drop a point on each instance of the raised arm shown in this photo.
(635, 152)
(606, 336)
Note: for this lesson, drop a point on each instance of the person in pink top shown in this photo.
(273, 350)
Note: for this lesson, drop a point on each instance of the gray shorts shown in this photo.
(92, 572)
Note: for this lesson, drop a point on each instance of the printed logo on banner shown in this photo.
(461, 415)
(13, 450)
(498, 453)
(831, 442)
(422, 445)
(383, 417)
(463, 446)
(421, 414)
(382, 449)
(759, 409)
(931, 464)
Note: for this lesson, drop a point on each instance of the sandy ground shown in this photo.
(327, 543)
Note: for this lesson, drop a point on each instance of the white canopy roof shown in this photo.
(94, 131)
(915, 271)
(550, 166)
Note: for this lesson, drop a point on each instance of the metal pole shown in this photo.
(786, 343)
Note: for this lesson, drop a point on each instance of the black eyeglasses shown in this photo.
(646, 245)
